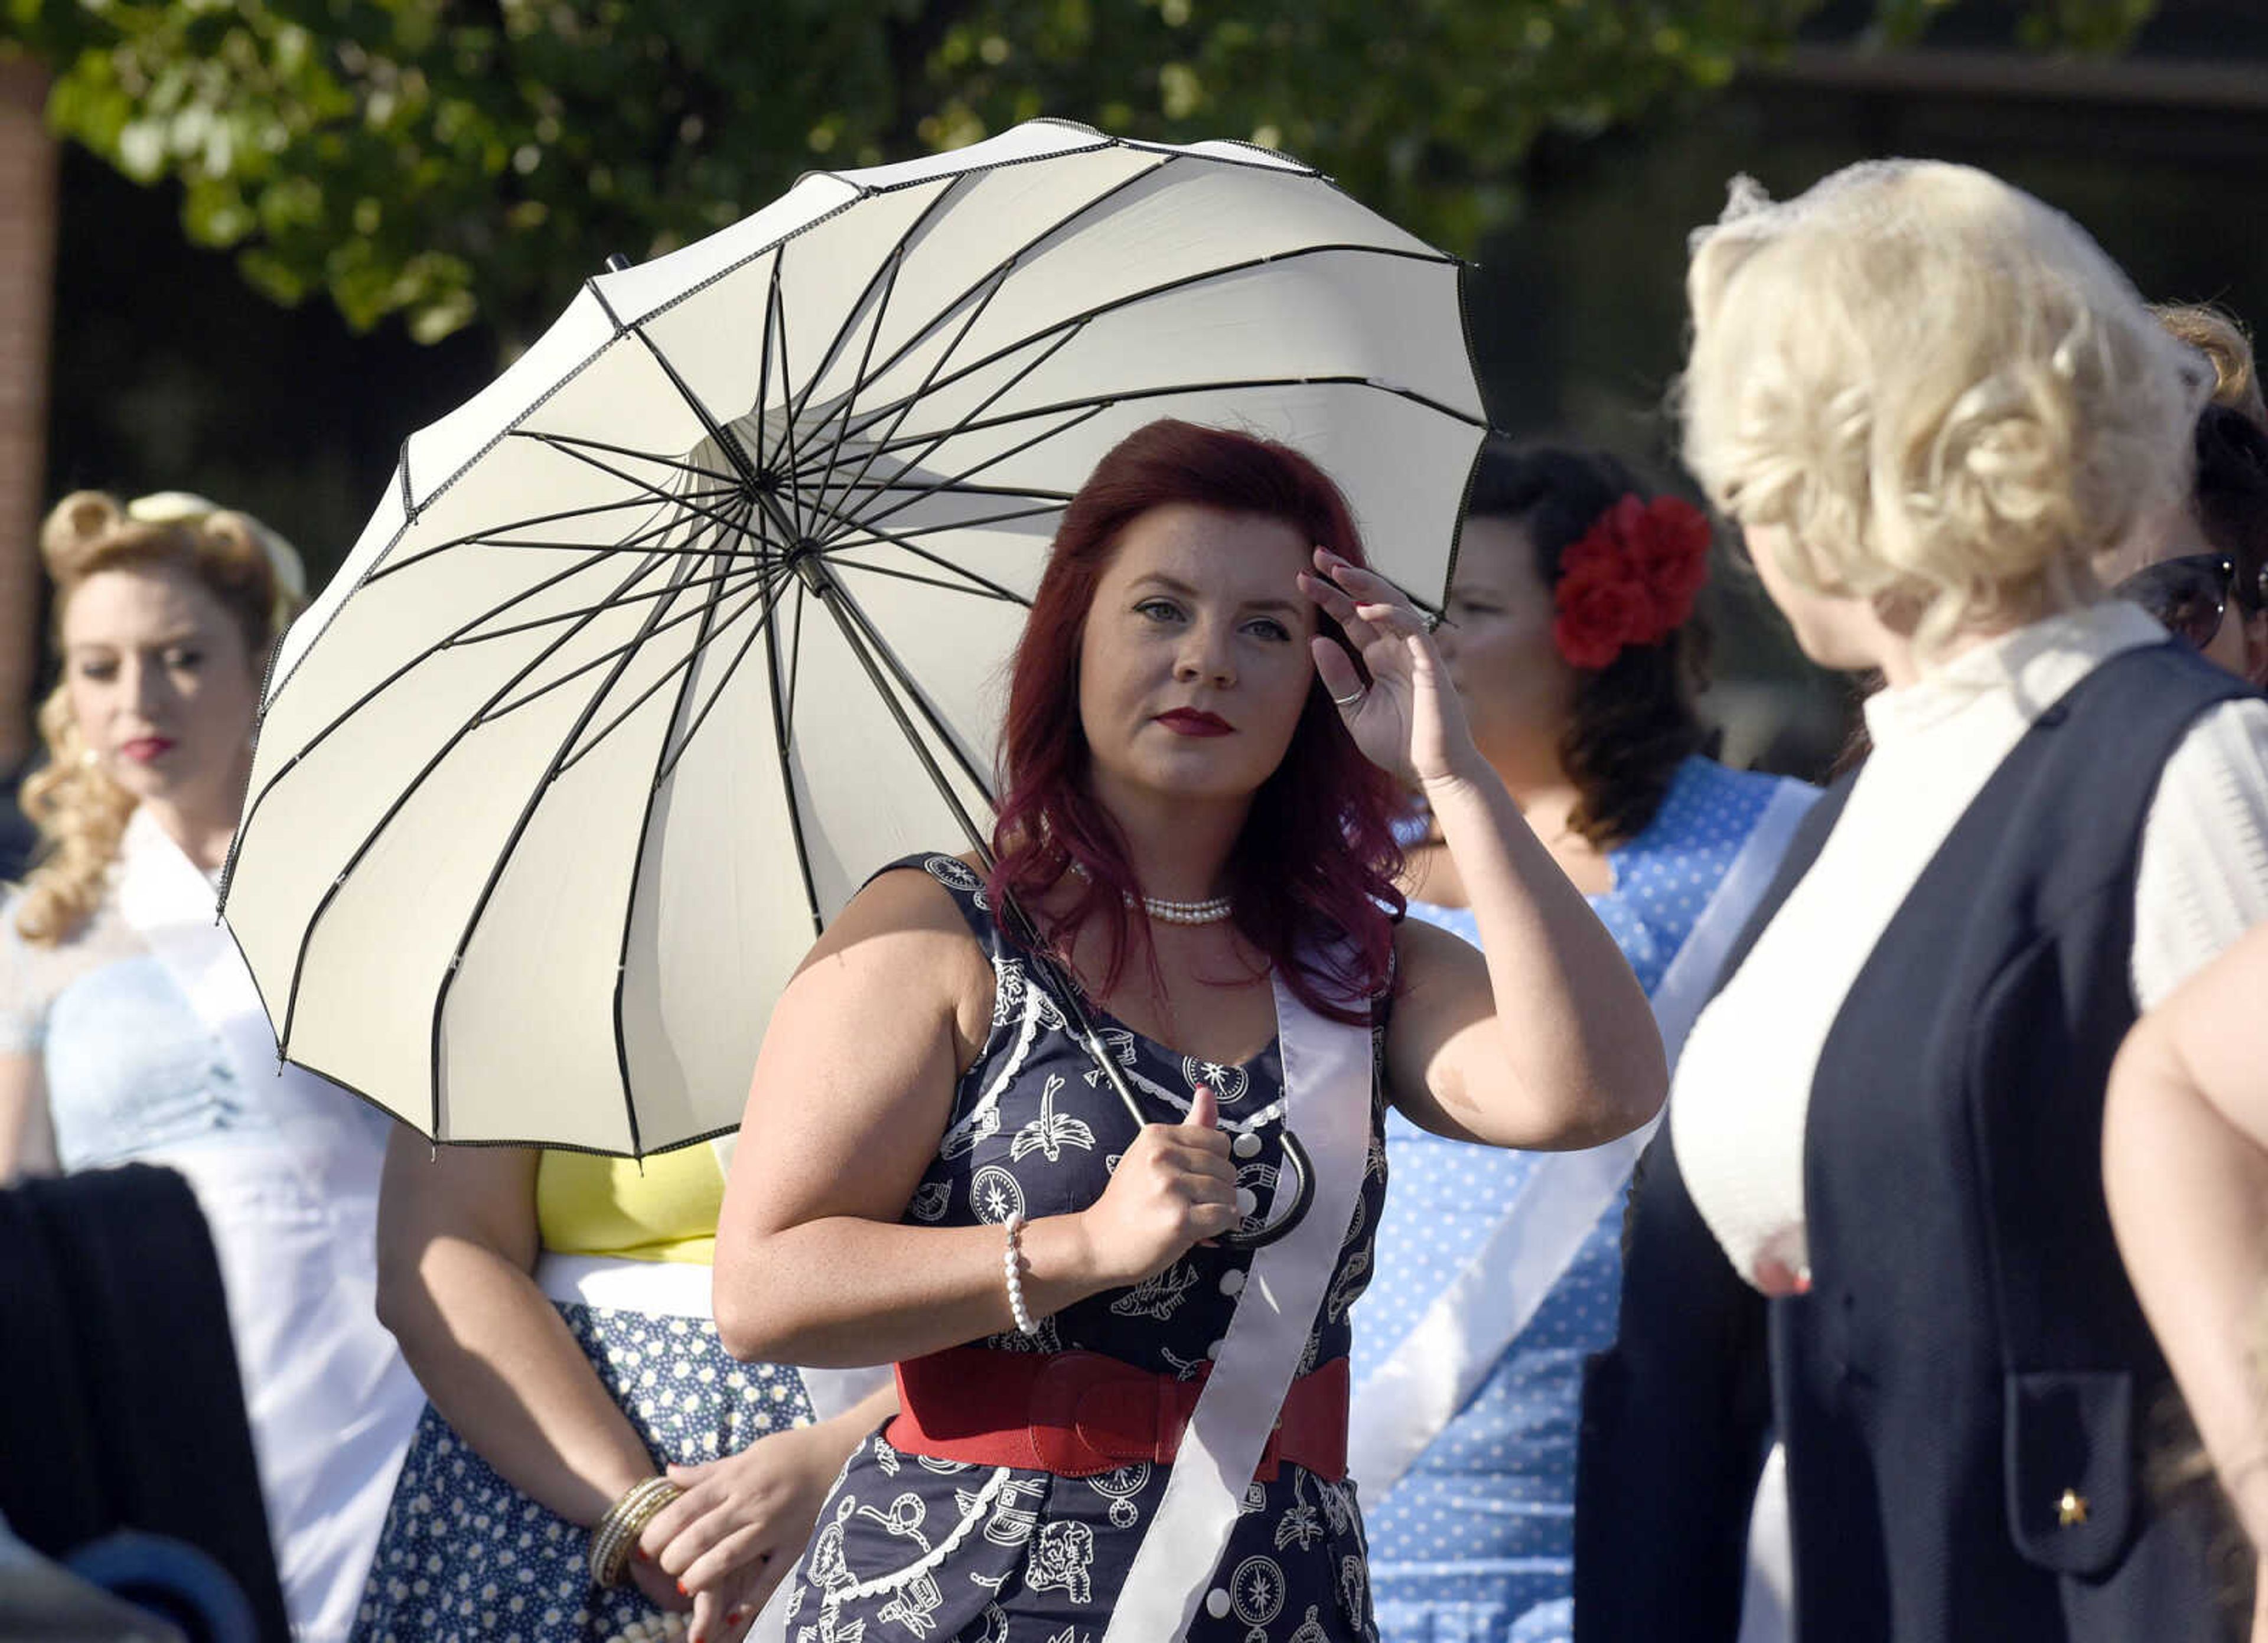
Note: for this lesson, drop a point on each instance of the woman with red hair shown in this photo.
(1101, 1180)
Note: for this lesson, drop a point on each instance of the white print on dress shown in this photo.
(1159, 1295)
(914, 1606)
(1060, 1560)
(1051, 1132)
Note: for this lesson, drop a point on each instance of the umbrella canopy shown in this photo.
(700, 613)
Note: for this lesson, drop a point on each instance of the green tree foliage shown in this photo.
(449, 159)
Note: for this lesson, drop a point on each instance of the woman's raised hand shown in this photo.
(1175, 1188)
(1408, 720)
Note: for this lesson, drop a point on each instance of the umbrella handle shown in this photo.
(1296, 1161)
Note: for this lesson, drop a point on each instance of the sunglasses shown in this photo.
(2189, 595)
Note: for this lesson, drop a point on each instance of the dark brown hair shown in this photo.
(1632, 722)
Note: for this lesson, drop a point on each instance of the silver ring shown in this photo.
(1349, 701)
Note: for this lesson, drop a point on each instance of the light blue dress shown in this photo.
(1476, 1542)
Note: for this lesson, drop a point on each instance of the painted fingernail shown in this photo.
(681, 1592)
(736, 1615)
(641, 1554)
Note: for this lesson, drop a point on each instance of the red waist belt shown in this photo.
(1077, 1414)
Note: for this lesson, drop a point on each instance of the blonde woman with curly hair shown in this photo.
(1875, 1218)
(130, 1029)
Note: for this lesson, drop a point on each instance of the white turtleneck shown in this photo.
(1742, 1091)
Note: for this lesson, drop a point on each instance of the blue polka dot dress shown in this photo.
(1476, 1542)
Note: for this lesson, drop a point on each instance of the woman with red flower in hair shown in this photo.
(1571, 641)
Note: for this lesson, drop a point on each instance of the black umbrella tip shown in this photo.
(616, 262)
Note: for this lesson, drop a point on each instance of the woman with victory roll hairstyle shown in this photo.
(1125, 1399)
(1573, 644)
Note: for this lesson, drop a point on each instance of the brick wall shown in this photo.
(28, 245)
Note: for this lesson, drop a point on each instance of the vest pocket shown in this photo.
(2068, 1461)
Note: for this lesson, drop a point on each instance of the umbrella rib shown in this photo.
(978, 523)
(728, 481)
(1166, 287)
(1028, 492)
(852, 627)
(982, 583)
(795, 653)
(503, 858)
(913, 463)
(885, 275)
(726, 439)
(782, 726)
(493, 714)
(936, 365)
(1086, 414)
(253, 801)
(761, 596)
(638, 860)
(998, 274)
(858, 380)
(771, 597)
(674, 498)
(478, 539)
(330, 892)
(928, 581)
(627, 599)
(1104, 401)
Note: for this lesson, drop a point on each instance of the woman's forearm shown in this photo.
(1571, 1027)
(843, 1291)
(499, 1363)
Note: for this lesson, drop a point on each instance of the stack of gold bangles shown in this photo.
(618, 1531)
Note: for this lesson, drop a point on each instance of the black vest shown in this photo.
(1963, 1392)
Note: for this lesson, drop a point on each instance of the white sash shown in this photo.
(1406, 1402)
(1327, 1092)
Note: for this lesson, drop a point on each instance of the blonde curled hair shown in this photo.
(1947, 392)
(80, 812)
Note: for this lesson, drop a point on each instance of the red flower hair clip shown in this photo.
(1630, 580)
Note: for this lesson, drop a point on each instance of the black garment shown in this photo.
(1970, 1349)
(120, 1405)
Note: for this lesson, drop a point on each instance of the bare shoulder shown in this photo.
(903, 934)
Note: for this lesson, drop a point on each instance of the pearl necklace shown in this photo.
(1212, 910)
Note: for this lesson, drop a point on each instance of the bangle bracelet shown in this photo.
(1011, 1261)
(625, 1521)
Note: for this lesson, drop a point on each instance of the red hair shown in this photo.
(1317, 858)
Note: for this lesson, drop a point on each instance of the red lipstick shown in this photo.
(146, 749)
(1188, 721)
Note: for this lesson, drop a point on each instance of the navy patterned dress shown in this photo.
(908, 1547)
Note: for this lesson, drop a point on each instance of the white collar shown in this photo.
(2031, 667)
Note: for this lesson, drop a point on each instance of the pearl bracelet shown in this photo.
(1011, 1263)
